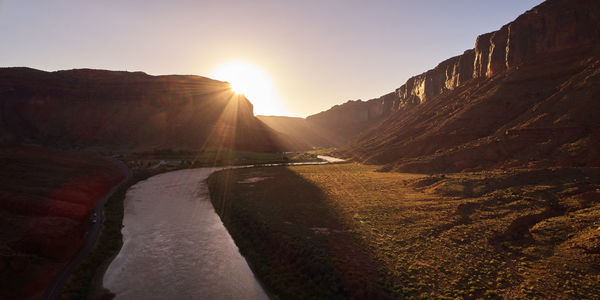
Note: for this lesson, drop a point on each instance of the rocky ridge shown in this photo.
(128, 110)
(552, 27)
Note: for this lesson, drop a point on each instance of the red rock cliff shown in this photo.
(549, 28)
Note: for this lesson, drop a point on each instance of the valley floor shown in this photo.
(349, 231)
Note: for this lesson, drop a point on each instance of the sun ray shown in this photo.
(222, 137)
(252, 82)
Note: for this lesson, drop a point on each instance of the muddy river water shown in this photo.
(176, 247)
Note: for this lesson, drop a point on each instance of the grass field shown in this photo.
(349, 231)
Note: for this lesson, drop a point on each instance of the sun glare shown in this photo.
(236, 89)
(252, 82)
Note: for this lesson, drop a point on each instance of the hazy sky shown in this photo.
(317, 53)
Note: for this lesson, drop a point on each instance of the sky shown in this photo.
(315, 54)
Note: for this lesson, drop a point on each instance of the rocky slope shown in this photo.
(127, 110)
(551, 27)
(345, 122)
(525, 95)
(304, 132)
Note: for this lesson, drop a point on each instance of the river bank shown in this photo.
(81, 283)
(100, 268)
(47, 197)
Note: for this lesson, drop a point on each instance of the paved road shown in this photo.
(53, 290)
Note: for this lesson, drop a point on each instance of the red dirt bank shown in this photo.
(46, 197)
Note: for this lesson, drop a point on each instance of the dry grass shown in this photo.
(517, 234)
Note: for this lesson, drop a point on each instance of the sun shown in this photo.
(254, 83)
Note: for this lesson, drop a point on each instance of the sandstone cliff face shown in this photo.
(299, 129)
(344, 122)
(356, 111)
(525, 96)
(546, 29)
(552, 27)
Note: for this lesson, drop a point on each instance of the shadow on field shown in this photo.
(292, 238)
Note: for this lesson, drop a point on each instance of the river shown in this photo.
(175, 245)
(330, 159)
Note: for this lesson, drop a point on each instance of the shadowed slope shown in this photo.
(538, 115)
(302, 130)
(127, 110)
(46, 198)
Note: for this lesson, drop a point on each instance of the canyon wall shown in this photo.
(552, 27)
(130, 110)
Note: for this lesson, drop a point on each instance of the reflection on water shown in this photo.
(330, 159)
(176, 247)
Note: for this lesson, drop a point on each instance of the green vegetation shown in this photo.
(310, 155)
(81, 283)
(321, 151)
(238, 157)
(349, 231)
(220, 157)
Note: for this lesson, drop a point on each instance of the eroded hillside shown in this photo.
(525, 95)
